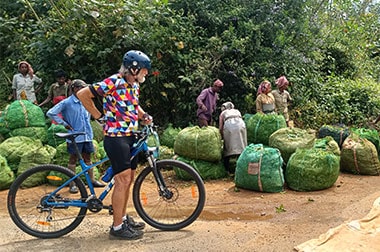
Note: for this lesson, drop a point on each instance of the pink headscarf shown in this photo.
(282, 82)
(264, 87)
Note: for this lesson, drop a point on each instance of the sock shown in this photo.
(117, 227)
(124, 218)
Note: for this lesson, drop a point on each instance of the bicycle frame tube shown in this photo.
(78, 203)
(139, 146)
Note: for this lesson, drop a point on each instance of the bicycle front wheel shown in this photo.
(31, 190)
(179, 203)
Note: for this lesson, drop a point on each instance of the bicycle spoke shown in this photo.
(174, 208)
(27, 203)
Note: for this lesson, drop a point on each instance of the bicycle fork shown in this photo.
(163, 189)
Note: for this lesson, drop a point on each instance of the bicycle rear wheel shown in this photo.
(184, 200)
(27, 198)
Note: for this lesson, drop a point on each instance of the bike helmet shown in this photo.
(136, 60)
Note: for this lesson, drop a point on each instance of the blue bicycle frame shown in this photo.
(140, 146)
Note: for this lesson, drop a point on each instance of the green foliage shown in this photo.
(321, 47)
(339, 100)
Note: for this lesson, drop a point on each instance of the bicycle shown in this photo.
(167, 194)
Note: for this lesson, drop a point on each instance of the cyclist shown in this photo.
(121, 109)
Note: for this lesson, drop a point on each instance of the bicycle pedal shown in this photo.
(110, 210)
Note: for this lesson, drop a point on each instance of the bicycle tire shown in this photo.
(25, 202)
(177, 212)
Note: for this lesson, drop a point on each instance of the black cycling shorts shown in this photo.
(118, 150)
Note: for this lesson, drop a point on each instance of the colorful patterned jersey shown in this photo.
(120, 105)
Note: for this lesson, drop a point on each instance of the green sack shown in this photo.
(99, 152)
(23, 113)
(4, 130)
(338, 133)
(14, 147)
(97, 130)
(259, 168)
(62, 156)
(315, 168)
(32, 132)
(166, 152)
(57, 179)
(287, 140)
(207, 170)
(261, 126)
(35, 157)
(199, 143)
(53, 140)
(370, 134)
(169, 135)
(359, 156)
(327, 143)
(6, 174)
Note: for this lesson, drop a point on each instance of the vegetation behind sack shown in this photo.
(328, 50)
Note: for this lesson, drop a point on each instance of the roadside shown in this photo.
(233, 220)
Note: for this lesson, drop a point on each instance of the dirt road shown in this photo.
(233, 220)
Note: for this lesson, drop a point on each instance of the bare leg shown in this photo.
(87, 159)
(72, 165)
(120, 195)
(133, 172)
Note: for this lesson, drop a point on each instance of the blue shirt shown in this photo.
(75, 115)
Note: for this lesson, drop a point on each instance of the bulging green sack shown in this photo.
(199, 143)
(259, 168)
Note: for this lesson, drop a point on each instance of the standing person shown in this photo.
(76, 118)
(282, 97)
(121, 109)
(265, 102)
(58, 90)
(23, 83)
(206, 102)
(233, 131)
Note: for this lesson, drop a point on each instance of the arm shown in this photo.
(40, 83)
(85, 96)
(377, 119)
(14, 87)
(49, 97)
(54, 112)
(259, 106)
(144, 116)
(221, 124)
(45, 101)
(200, 100)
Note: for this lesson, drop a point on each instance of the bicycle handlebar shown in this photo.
(146, 131)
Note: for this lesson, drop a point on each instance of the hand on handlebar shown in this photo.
(147, 119)
(101, 120)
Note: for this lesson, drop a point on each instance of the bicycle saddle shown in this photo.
(69, 135)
